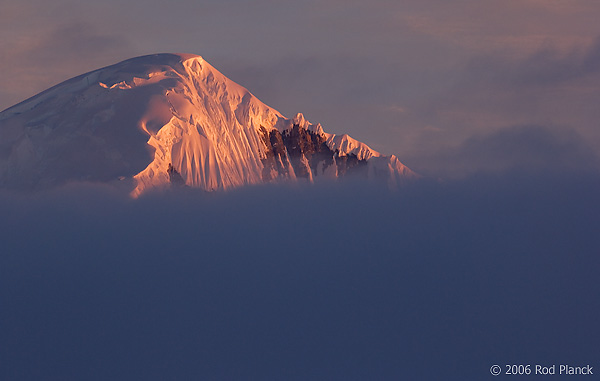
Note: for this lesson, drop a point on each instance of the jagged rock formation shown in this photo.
(307, 154)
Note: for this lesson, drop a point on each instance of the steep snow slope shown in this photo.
(169, 118)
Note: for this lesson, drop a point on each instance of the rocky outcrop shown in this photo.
(301, 153)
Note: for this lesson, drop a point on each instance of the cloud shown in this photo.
(549, 87)
(296, 282)
(528, 149)
(515, 28)
(546, 67)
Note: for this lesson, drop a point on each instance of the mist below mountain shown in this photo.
(330, 281)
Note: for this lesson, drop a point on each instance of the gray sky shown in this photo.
(419, 79)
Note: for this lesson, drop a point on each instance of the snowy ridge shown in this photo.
(212, 138)
(167, 119)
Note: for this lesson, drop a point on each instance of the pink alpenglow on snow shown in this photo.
(165, 119)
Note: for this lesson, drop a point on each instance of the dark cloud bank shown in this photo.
(332, 281)
(528, 149)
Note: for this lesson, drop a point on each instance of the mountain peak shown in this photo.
(162, 119)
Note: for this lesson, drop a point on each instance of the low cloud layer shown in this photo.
(295, 282)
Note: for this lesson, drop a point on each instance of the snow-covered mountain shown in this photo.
(168, 119)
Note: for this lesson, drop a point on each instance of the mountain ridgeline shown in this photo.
(171, 119)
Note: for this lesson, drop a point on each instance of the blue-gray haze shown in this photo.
(437, 281)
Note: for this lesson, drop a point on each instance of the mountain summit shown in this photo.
(167, 119)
